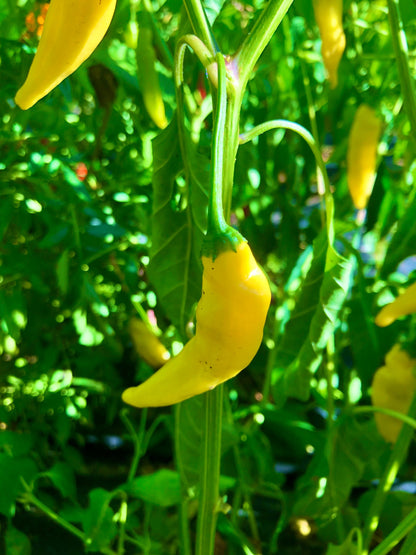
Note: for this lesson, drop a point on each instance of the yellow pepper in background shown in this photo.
(146, 344)
(328, 16)
(230, 317)
(404, 304)
(393, 388)
(362, 154)
(149, 78)
(72, 31)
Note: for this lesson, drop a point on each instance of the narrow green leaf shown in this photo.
(178, 224)
(295, 381)
(62, 272)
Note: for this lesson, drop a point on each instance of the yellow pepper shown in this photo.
(72, 31)
(328, 16)
(230, 318)
(362, 154)
(404, 304)
(393, 388)
(148, 77)
(146, 344)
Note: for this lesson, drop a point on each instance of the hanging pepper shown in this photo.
(148, 76)
(328, 16)
(404, 304)
(146, 344)
(393, 388)
(229, 328)
(72, 31)
(362, 154)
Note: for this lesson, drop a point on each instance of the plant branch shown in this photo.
(210, 471)
(402, 57)
(259, 37)
(397, 456)
(200, 24)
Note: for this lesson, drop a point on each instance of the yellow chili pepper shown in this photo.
(328, 16)
(362, 154)
(148, 77)
(146, 344)
(404, 304)
(393, 388)
(72, 31)
(230, 318)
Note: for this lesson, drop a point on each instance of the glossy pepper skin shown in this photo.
(72, 31)
(146, 344)
(393, 388)
(404, 304)
(362, 154)
(149, 79)
(328, 17)
(230, 318)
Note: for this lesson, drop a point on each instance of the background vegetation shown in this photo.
(300, 465)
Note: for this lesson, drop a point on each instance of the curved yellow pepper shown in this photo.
(362, 154)
(146, 344)
(404, 304)
(393, 388)
(328, 16)
(72, 31)
(230, 318)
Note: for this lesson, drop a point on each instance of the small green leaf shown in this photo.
(63, 479)
(98, 520)
(161, 488)
(17, 543)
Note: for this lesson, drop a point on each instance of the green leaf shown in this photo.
(17, 543)
(349, 547)
(297, 328)
(62, 272)
(403, 243)
(12, 470)
(63, 479)
(332, 295)
(98, 520)
(178, 224)
(213, 8)
(161, 488)
(326, 486)
(16, 444)
(188, 437)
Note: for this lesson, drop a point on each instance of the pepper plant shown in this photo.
(189, 127)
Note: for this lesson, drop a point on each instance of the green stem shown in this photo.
(388, 412)
(401, 530)
(200, 24)
(210, 471)
(401, 52)
(137, 440)
(259, 37)
(309, 139)
(409, 546)
(231, 131)
(216, 221)
(30, 498)
(397, 456)
(203, 54)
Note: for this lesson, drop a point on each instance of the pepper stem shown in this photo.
(220, 236)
